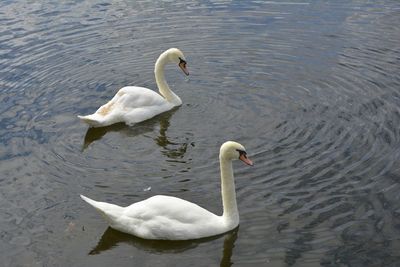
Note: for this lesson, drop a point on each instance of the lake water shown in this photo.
(311, 88)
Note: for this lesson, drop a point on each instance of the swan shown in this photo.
(169, 218)
(133, 104)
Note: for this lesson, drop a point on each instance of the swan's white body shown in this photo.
(133, 104)
(171, 218)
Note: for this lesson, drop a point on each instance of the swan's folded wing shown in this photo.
(133, 97)
(169, 207)
(165, 217)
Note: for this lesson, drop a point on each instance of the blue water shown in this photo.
(311, 88)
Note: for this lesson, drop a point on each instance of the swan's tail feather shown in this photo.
(109, 211)
(94, 120)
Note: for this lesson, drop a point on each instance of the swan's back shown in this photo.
(169, 207)
(135, 96)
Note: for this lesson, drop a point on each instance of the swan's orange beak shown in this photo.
(245, 159)
(182, 65)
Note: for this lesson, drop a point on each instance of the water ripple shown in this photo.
(310, 89)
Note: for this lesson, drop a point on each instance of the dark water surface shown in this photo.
(312, 89)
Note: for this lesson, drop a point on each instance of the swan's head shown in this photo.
(176, 56)
(232, 150)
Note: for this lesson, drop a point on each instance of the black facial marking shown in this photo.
(241, 152)
(182, 61)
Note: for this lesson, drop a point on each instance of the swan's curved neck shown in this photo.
(231, 214)
(163, 87)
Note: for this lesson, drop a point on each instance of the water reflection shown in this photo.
(112, 238)
(162, 140)
(94, 134)
(229, 243)
(176, 151)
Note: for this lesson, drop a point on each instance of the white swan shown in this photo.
(170, 218)
(133, 104)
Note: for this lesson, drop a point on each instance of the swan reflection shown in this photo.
(112, 238)
(171, 149)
